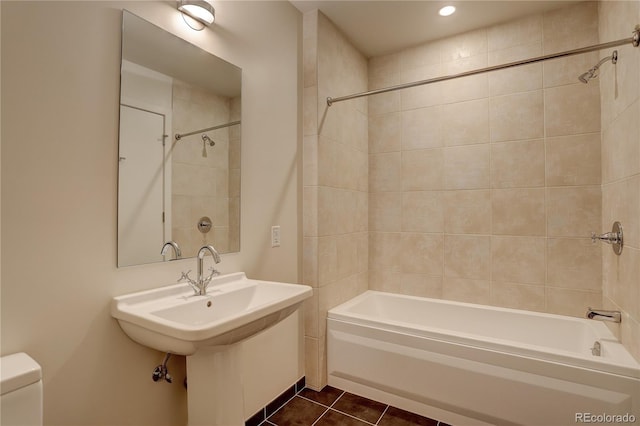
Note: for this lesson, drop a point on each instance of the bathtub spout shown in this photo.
(602, 315)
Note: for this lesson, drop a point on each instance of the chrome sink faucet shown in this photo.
(175, 246)
(201, 283)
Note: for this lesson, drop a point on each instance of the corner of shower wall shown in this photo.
(335, 182)
(620, 106)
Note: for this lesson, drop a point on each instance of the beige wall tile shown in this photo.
(310, 212)
(523, 78)
(518, 164)
(465, 88)
(570, 27)
(621, 202)
(310, 307)
(384, 103)
(421, 253)
(574, 263)
(467, 212)
(426, 95)
(518, 296)
(465, 123)
(385, 252)
(384, 70)
(571, 302)
(464, 45)
(384, 133)
(517, 116)
(572, 109)
(310, 261)
(467, 256)
(310, 160)
(573, 211)
(421, 285)
(309, 110)
(422, 170)
(518, 212)
(419, 56)
(622, 279)
(385, 172)
(327, 260)
(515, 32)
(311, 371)
(421, 128)
(385, 211)
(466, 290)
(381, 279)
(518, 259)
(422, 211)
(467, 167)
(347, 255)
(573, 160)
(621, 146)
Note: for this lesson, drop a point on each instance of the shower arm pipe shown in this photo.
(635, 40)
(219, 126)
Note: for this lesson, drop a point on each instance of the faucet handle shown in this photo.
(185, 277)
(214, 273)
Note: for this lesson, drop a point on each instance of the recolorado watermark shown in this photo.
(605, 418)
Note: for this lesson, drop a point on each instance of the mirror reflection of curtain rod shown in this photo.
(219, 126)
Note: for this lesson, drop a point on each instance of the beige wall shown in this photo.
(620, 100)
(485, 189)
(335, 182)
(60, 81)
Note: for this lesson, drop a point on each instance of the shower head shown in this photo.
(206, 138)
(593, 72)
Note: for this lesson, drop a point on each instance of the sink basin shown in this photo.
(173, 319)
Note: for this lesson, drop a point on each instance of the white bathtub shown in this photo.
(473, 364)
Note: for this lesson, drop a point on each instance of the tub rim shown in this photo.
(627, 367)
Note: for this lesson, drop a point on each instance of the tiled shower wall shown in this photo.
(335, 178)
(485, 188)
(620, 100)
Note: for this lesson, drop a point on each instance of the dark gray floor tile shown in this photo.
(326, 396)
(362, 408)
(397, 417)
(333, 418)
(297, 412)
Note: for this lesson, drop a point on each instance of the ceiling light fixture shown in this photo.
(447, 10)
(200, 10)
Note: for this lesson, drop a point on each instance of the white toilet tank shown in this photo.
(21, 386)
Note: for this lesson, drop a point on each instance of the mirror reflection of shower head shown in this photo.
(593, 72)
(206, 138)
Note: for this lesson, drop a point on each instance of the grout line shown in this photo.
(382, 415)
(328, 408)
(352, 416)
(325, 412)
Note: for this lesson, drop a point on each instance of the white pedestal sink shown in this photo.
(208, 330)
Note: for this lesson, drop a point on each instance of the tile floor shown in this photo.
(334, 407)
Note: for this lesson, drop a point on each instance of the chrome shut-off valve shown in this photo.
(615, 238)
(161, 372)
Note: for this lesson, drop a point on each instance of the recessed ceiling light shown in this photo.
(447, 10)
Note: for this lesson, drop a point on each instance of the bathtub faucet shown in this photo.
(602, 315)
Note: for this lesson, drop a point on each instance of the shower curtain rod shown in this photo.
(635, 40)
(219, 126)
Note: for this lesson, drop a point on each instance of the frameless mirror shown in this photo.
(179, 147)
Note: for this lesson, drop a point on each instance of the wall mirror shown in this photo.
(179, 147)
